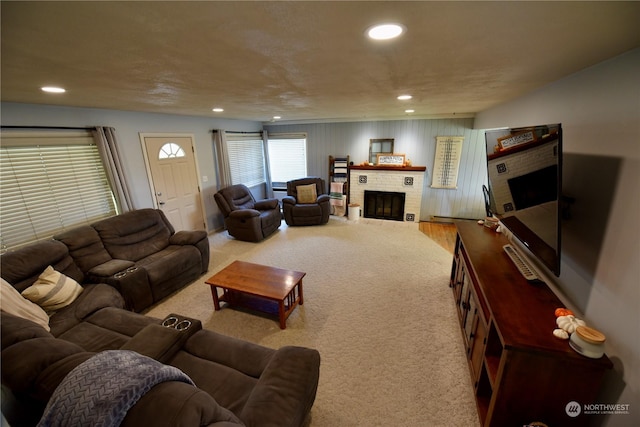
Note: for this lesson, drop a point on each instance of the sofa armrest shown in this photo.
(244, 213)
(185, 237)
(266, 204)
(133, 285)
(177, 404)
(323, 198)
(289, 200)
(161, 342)
(110, 268)
(286, 389)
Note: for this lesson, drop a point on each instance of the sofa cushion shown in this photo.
(23, 266)
(107, 328)
(53, 290)
(307, 193)
(229, 387)
(85, 247)
(13, 303)
(134, 235)
(92, 299)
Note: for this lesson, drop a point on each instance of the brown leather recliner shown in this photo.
(310, 208)
(245, 218)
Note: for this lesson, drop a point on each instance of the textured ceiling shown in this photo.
(303, 61)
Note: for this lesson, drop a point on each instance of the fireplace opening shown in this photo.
(384, 205)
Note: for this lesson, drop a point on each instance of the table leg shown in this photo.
(283, 320)
(300, 292)
(214, 294)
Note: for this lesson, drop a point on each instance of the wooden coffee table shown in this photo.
(258, 287)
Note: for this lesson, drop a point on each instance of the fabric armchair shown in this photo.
(306, 202)
(244, 217)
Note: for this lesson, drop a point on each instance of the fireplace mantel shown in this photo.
(390, 168)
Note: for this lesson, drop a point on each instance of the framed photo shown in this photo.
(390, 160)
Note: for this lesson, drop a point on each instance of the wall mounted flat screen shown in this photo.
(525, 185)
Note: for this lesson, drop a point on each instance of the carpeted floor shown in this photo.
(377, 307)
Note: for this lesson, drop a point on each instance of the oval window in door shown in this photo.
(169, 150)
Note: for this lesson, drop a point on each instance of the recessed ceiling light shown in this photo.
(276, 117)
(53, 89)
(385, 31)
(409, 111)
(218, 110)
(404, 97)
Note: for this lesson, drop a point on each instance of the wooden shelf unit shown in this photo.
(520, 372)
(336, 165)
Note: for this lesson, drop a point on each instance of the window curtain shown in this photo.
(222, 158)
(106, 140)
(267, 169)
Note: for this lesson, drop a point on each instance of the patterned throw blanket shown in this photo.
(335, 195)
(100, 391)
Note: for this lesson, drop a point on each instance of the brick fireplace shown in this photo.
(388, 179)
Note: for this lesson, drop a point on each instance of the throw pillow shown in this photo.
(13, 303)
(53, 290)
(307, 193)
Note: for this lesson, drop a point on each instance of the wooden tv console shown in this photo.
(520, 372)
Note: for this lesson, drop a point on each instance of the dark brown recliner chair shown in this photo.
(304, 206)
(245, 218)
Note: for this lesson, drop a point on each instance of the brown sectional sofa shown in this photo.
(236, 382)
(140, 254)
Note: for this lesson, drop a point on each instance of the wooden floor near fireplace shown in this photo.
(442, 233)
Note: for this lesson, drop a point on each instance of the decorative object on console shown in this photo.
(588, 342)
(569, 323)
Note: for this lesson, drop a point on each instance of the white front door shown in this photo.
(174, 180)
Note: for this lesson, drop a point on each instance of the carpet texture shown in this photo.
(377, 307)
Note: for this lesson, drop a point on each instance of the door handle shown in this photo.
(161, 203)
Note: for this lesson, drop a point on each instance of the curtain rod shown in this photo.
(49, 127)
(235, 131)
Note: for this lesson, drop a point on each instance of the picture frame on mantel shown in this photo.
(391, 159)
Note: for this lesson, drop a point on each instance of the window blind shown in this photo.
(50, 183)
(246, 159)
(287, 158)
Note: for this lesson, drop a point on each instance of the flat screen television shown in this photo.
(525, 184)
